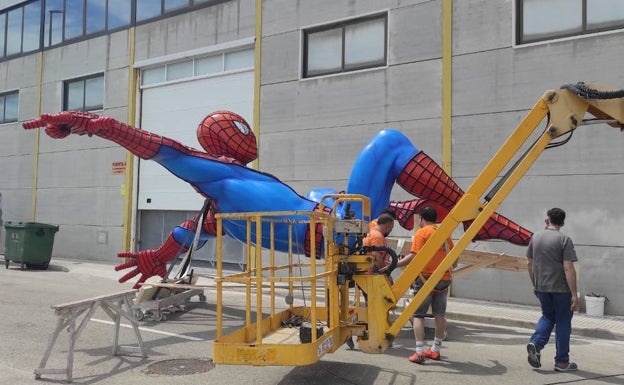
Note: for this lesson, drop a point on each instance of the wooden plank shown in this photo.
(89, 301)
(471, 259)
(282, 336)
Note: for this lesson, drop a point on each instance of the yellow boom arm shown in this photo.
(566, 110)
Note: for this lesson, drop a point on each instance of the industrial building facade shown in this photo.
(316, 80)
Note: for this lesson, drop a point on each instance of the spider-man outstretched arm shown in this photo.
(141, 143)
(231, 186)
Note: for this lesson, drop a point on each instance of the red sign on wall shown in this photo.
(119, 168)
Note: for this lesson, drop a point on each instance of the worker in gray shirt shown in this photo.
(550, 260)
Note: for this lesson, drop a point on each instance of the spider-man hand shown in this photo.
(147, 263)
(64, 123)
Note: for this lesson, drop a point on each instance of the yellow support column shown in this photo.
(447, 85)
(127, 189)
(35, 182)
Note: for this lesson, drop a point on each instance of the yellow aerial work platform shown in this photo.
(271, 339)
(301, 335)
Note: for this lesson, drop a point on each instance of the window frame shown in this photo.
(305, 73)
(3, 96)
(584, 29)
(164, 67)
(83, 79)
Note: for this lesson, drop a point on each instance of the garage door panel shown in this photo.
(174, 111)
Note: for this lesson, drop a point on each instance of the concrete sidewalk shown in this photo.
(493, 313)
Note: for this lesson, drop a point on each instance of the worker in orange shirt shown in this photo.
(386, 211)
(383, 225)
(437, 298)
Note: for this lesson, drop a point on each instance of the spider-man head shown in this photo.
(224, 133)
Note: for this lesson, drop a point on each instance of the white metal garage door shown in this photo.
(173, 105)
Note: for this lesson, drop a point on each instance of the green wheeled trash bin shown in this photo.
(29, 243)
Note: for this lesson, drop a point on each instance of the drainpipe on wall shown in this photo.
(257, 63)
(447, 84)
(127, 190)
(35, 184)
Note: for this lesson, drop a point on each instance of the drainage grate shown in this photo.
(181, 366)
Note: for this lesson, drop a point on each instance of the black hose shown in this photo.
(585, 92)
(393, 256)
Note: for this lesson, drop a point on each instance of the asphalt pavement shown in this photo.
(486, 342)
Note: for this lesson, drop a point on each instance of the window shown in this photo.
(147, 9)
(53, 26)
(73, 19)
(238, 59)
(96, 16)
(84, 94)
(32, 27)
(345, 46)
(14, 31)
(540, 20)
(9, 107)
(180, 70)
(119, 13)
(206, 65)
(2, 33)
(171, 5)
(36, 24)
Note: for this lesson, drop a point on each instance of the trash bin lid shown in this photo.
(29, 225)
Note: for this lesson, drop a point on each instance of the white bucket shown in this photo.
(594, 305)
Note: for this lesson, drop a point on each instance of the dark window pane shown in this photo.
(10, 109)
(208, 65)
(175, 4)
(324, 51)
(365, 43)
(32, 26)
(75, 95)
(96, 15)
(73, 19)
(604, 13)
(180, 70)
(239, 59)
(2, 103)
(14, 31)
(94, 93)
(53, 27)
(547, 19)
(147, 9)
(153, 75)
(119, 12)
(2, 35)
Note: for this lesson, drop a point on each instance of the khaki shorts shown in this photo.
(436, 299)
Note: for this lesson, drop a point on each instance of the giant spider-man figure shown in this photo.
(220, 174)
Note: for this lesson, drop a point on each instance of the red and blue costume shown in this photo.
(219, 174)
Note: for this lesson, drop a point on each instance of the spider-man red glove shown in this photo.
(62, 124)
(146, 262)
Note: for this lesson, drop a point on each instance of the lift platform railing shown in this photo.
(271, 339)
(289, 333)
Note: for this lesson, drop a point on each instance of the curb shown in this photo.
(510, 322)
